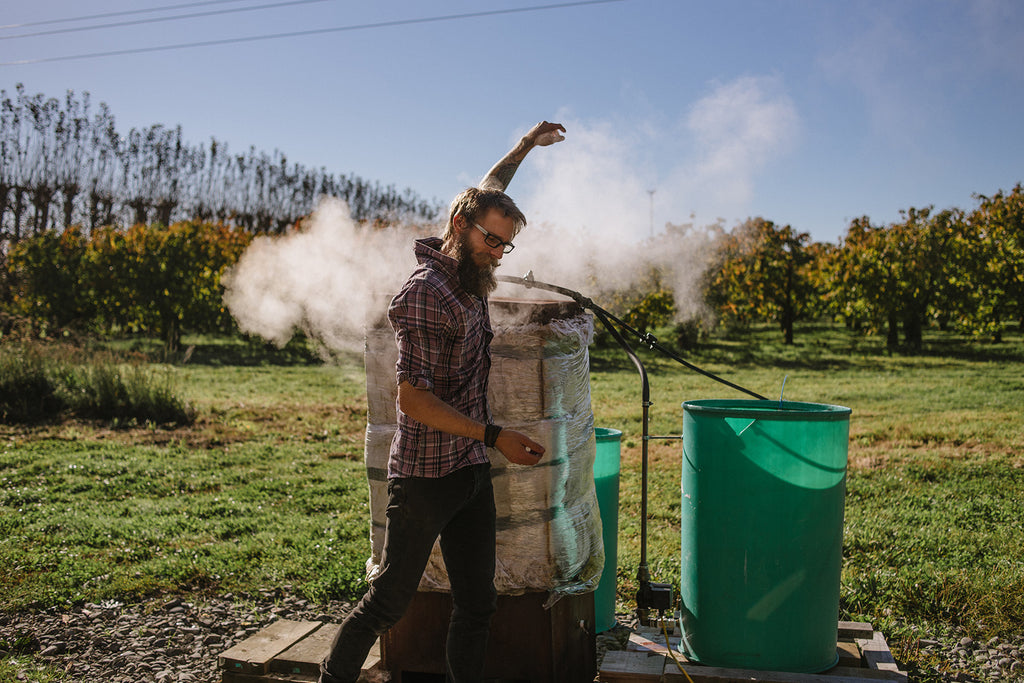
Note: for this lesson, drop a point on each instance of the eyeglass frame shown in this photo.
(506, 247)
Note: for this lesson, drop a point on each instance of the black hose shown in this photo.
(605, 317)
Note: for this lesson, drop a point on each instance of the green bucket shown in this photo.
(763, 486)
(606, 481)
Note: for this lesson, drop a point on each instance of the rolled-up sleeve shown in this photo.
(423, 330)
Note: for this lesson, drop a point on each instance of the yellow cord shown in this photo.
(671, 652)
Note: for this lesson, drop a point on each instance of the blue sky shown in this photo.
(805, 113)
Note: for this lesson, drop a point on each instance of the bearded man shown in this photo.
(439, 482)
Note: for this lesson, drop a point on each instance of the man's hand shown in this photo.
(541, 135)
(519, 448)
(544, 134)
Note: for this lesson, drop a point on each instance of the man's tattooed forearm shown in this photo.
(504, 172)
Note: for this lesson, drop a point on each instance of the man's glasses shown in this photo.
(493, 241)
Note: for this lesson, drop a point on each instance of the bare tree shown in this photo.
(101, 171)
(69, 166)
(72, 133)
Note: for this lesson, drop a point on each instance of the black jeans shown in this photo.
(460, 509)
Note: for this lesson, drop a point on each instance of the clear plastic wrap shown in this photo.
(548, 523)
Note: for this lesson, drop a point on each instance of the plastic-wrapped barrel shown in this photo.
(763, 487)
(606, 482)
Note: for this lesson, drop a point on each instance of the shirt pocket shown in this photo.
(470, 359)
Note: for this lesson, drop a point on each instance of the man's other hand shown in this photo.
(519, 448)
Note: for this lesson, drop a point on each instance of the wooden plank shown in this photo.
(373, 659)
(855, 659)
(254, 654)
(621, 666)
(708, 674)
(272, 677)
(875, 653)
(652, 642)
(849, 630)
(849, 653)
(868, 675)
(884, 669)
(304, 656)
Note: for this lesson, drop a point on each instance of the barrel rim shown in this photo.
(768, 409)
(607, 433)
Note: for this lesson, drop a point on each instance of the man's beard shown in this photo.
(475, 279)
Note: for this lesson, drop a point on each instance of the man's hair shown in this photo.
(472, 203)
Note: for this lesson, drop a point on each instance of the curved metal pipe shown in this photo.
(647, 339)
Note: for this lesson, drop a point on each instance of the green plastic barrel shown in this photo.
(763, 486)
(606, 481)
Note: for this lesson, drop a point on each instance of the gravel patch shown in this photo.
(178, 640)
(167, 641)
(996, 659)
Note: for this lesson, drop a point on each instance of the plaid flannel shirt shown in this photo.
(444, 337)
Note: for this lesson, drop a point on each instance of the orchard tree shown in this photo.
(893, 276)
(997, 230)
(921, 249)
(762, 272)
(860, 280)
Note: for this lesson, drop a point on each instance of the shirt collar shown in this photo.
(429, 249)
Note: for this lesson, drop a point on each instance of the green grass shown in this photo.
(937, 539)
(267, 486)
(97, 520)
(43, 382)
(13, 668)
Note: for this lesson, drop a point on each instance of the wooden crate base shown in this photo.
(863, 654)
(528, 642)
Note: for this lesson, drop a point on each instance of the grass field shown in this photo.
(267, 486)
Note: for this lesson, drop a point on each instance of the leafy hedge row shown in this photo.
(957, 269)
(150, 279)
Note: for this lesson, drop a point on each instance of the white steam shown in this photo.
(590, 207)
(589, 211)
(327, 279)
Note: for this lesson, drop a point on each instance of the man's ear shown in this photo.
(459, 222)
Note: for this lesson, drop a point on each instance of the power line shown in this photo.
(107, 15)
(135, 22)
(310, 32)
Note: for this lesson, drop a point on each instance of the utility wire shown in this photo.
(153, 20)
(107, 15)
(310, 32)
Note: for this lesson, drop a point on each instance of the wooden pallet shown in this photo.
(864, 657)
(291, 652)
(285, 651)
(528, 642)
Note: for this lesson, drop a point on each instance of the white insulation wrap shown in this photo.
(548, 523)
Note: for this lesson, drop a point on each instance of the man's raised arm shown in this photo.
(541, 135)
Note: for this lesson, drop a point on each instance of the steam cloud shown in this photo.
(588, 208)
(589, 205)
(327, 279)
